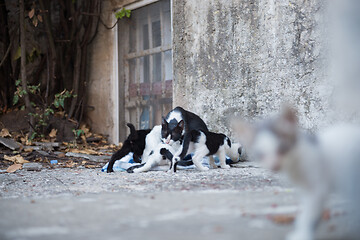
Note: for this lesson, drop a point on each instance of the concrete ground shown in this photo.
(244, 202)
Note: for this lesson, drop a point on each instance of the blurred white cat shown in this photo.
(321, 164)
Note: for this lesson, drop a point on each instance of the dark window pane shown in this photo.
(145, 37)
(132, 37)
(132, 70)
(156, 34)
(156, 67)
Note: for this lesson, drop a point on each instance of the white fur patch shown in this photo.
(174, 115)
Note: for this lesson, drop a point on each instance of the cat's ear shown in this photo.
(133, 132)
(288, 114)
(164, 123)
(181, 125)
(244, 132)
(287, 123)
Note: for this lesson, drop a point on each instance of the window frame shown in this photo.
(126, 102)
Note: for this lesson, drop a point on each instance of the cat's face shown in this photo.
(271, 141)
(172, 131)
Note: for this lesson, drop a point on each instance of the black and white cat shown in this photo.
(208, 144)
(134, 143)
(178, 125)
(152, 156)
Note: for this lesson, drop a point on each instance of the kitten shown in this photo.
(178, 125)
(328, 162)
(134, 143)
(208, 144)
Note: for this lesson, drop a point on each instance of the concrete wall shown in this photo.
(247, 57)
(102, 80)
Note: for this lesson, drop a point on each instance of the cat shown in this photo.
(178, 125)
(201, 145)
(207, 144)
(321, 164)
(134, 143)
(152, 156)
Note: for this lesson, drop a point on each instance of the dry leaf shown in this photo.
(13, 168)
(83, 162)
(40, 18)
(282, 218)
(31, 13)
(16, 159)
(35, 22)
(86, 151)
(90, 166)
(83, 138)
(69, 164)
(28, 149)
(86, 130)
(53, 132)
(61, 155)
(5, 133)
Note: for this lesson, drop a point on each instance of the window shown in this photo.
(147, 64)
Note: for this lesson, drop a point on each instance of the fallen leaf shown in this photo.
(28, 149)
(16, 159)
(90, 166)
(69, 164)
(86, 130)
(83, 138)
(31, 13)
(13, 168)
(5, 133)
(61, 155)
(35, 22)
(52, 133)
(86, 151)
(282, 218)
(40, 18)
(83, 162)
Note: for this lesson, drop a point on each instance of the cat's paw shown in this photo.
(213, 166)
(300, 235)
(204, 169)
(130, 170)
(225, 167)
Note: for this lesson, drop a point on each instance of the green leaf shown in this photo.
(33, 135)
(62, 102)
(17, 82)
(56, 103)
(128, 13)
(15, 99)
(22, 107)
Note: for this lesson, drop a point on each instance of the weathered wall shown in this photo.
(101, 76)
(247, 57)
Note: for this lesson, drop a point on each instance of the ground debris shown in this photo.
(9, 143)
(47, 153)
(282, 218)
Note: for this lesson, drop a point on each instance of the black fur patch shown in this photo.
(228, 142)
(191, 122)
(134, 143)
(131, 169)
